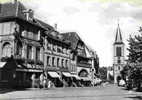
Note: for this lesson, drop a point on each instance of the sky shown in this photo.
(94, 20)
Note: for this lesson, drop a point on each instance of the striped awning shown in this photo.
(77, 77)
(2, 64)
(53, 74)
(67, 74)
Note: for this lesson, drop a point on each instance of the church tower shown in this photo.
(118, 57)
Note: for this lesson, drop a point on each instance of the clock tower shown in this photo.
(118, 56)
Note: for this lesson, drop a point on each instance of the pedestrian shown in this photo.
(49, 84)
(33, 80)
(41, 78)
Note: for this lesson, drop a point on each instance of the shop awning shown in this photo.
(85, 78)
(77, 77)
(67, 74)
(2, 64)
(53, 74)
(29, 70)
(9, 65)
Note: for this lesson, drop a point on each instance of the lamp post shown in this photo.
(93, 70)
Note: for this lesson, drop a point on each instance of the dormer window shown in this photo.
(29, 14)
(39, 34)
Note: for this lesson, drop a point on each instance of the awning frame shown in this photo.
(67, 74)
(53, 74)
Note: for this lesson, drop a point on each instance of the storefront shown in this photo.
(76, 80)
(7, 74)
(55, 78)
(25, 77)
(67, 79)
(85, 81)
(17, 75)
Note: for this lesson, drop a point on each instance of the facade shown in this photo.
(57, 58)
(118, 58)
(32, 51)
(83, 64)
(21, 43)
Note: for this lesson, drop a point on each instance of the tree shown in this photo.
(125, 72)
(133, 50)
(136, 76)
(134, 72)
(103, 73)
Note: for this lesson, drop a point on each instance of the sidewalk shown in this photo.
(5, 90)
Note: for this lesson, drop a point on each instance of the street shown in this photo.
(109, 92)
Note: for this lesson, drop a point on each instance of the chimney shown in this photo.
(55, 26)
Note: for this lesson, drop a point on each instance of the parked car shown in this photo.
(97, 81)
(122, 83)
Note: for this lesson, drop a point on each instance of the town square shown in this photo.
(70, 50)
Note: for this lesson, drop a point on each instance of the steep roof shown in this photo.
(118, 37)
(44, 25)
(55, 35)
(16, 10)
(73, 38)
(12, 10)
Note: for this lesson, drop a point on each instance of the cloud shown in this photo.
(95, 22)
(70, 10)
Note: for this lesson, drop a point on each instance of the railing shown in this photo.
(84, 64)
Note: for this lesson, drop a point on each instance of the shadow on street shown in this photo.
(135, 98)
(6, 90)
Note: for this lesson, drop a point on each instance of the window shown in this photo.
(19, 49)
(49, 46)
(1, 28)
(7, 50)
(38, 36)
(30, 35)
(37, 53)
(57, 62)
(35, 36)
(24, 33)
(59, 50)
(29, 52)
(6, 28)
(118, 51)
(62, 62)
(54, 48)
(118, 61)
(53, 60)
(67, 63)
(48, 58)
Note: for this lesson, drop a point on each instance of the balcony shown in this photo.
(84, 64)
(51, 68)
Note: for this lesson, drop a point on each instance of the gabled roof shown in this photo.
(12, 10)
(44, 25)
(16, 10)
(118, 38)
(55, 35)
(73, 38)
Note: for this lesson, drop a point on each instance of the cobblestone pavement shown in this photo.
(109, 92)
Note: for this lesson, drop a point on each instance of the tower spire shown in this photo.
(118, 38)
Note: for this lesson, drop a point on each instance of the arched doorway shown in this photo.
(83, 73)
(6, 50)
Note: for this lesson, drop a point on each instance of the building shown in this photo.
(21, 45)
(81, 64)
(31, 50)
(57, 59)
(118, 57)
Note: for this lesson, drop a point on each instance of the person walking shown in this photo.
(33, 80)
